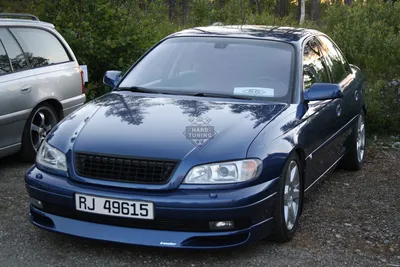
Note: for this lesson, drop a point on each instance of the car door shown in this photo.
(16, 88)
(57, 74)
(322, 116)
(5, 70)
(342, 74)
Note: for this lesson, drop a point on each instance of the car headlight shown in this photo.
(51, 157)
(224, 172)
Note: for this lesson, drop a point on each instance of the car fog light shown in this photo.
(36, 203)
(222, 225)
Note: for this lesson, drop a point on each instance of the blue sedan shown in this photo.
(210, 140)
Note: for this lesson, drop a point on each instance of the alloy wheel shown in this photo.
(42, 122)
(291, 195)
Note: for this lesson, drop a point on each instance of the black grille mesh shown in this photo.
(120, 169)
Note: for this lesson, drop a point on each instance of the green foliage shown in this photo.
(106, 35)
(383, 100)
(369, 36)
(15, 6)
(199, 12)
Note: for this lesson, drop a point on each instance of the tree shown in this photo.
(171, 9)
(282, 8)
(256, 4)
(185, 9)
(302, 11)
(19, 6)
(315, 11)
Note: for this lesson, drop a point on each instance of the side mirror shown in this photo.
(323, 91)
(111, 78)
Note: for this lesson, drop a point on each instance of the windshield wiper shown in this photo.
(223, 96)
(155, 91)
(143, 90)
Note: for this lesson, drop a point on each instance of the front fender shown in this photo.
(278, 140)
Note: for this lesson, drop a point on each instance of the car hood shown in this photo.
(196, 129)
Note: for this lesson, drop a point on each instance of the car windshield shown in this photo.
(233, 67)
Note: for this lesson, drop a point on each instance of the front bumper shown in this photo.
(181, 217)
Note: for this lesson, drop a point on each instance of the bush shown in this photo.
(369, 36)
(108, 34)
(383, 99)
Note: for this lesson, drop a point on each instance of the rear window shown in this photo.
(41, 47)
(229, 66)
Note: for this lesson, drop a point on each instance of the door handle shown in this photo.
(338, 110)
(26, 89)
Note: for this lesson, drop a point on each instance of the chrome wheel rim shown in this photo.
(41, 124)
(360, 139)
(291, 195)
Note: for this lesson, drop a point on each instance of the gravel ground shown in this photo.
(350, 219)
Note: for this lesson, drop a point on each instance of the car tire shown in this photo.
(354, 158)
(289, 200)
(39, 123)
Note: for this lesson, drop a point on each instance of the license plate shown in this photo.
(115, 207)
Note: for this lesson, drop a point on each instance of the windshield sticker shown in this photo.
(254, 91)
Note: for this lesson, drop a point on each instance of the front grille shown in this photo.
(120, 169)
(156, 224)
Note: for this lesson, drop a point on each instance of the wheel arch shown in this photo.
(300, 153)
(27, 152)
(55, 104)
(301, 156)
(364, 108)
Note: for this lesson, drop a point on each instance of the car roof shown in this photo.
(276, 33)
(24, 22)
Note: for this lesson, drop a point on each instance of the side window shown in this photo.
(338, 65)
(314, 68)
(41, 47)
(4, 61)
(17, 57)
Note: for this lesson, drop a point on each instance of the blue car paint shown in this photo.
(245, 129)
(138, 117)
(178, 204)
(112, 77)
(323, 91)
(147, 237)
